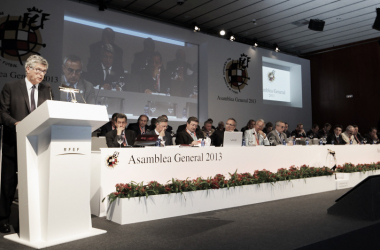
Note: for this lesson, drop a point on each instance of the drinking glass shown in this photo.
(171, 108)
(120, 140)
(152, 107)
(365, 140)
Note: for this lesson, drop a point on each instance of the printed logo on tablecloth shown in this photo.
(112, 160)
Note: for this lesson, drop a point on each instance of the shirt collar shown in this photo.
(69, 84)
(156, 132)
(104, 68)
(190, 132)
(29, 85)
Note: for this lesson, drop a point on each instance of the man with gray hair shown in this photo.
(256, 136)
(277, 135)
(218, 136)
(72, 71)
(348, 135)
(160, 130)
(18, 99)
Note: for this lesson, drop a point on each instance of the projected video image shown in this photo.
(276, 84)
(129, 72)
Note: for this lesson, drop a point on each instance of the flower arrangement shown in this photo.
(134, 189)
(351, 168)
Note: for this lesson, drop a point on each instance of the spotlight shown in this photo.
(376, 24)
(255, 44)
(276, 47)
(222, 32)
(232, 38)
(196, 28)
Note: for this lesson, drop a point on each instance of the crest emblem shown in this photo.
(271, 76)
(236, 73)
(112, 160)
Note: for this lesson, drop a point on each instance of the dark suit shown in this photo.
(95, 75)
(86, 89)
(322, 133)
(135, 127)
(167, 138)
(111, 138)
(370, 140)
(105, 128)
(310, 132)
(14, 107)
(185, 138)
(337, 141)
(297, 135)
(217, 138)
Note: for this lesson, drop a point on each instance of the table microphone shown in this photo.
(50, 92)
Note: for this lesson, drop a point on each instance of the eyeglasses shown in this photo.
(72, 71)
(229, 124)
(39, 70)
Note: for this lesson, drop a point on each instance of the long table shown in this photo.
(163, 164)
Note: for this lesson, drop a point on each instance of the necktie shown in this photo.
(157, 85)
(125, 143)
(257, 139)
(32, 102)
(194, 138)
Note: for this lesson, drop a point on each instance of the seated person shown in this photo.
(72, 72)
(358, 137)
(325, 131)
(256, 136)
(218, 136)
(268, 128)
(277, 135)
(169, 128)
(207, 129)
(250, 125)
(160, 130)
(127, 135)
(190, 135)
(372, 137)
(348, 135)
(220, 126)
(109, 126)
(313, 132)
(152, 125)
(299, 132)
(286, 131)
(140, 126)
(336, 136)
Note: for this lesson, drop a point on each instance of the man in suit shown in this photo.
(286, 131)
(128, 136)
(313, 132)
(160, 130)
(72, 72)
(325, 131)
(190, 136)
(169, 128)
(109, 126)
(372, 137)
(348, 135)
(140, 127)
(336, 137)
(218, 136)
(358, 137)
(277, 135)
(143, 59)
(299, 132)
(18, 99)
(256, 136)
(207, 129)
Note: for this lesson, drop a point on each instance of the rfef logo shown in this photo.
(236, 73)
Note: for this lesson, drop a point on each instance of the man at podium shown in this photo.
(120, 137)
(17, 100)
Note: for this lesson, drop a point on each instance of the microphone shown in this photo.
(50, 92)
(97, 95)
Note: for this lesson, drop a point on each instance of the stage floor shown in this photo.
(282, 224)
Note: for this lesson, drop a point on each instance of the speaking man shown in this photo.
(128, 136)
(277, 135)
(256, 136)
(140, 127)
(218, 136)
(160, 130)
(18, 99)
(72, 72)
(190, 135)
(336, 137)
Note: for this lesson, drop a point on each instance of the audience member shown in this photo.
(72, 71)
(372, 137)
(358, 137)
(220, 126)
(336, 137)
(143, 59)
(218, 136)
(256, 136)
(250, 125)
(286, 130)
(348, 135)
(207, 129)
(324, 132)
(299, 132)
(109, 126)
(190, 135)
(268, 128)
(277, 135)
(313, 132)
(140, 127)
(152, 125)
(128, 136)
(160, 130)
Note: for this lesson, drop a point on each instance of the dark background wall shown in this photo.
(348, 70)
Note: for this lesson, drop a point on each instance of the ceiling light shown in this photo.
(276, 47)
(196, 28)
(222, 32)
(232, 38)
(255, 44)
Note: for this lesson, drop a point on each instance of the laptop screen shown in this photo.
(232, 139)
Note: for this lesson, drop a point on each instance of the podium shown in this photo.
(54, 157)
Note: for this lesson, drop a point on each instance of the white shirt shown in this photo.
(159, 136)
(250, 136)
(29, 87)
(195, 135)
(105, 71)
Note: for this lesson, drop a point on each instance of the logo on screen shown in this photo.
(20, 36)
(271, 76)
(236, 73)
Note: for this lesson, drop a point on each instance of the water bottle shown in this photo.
(320, 142)
(184, 113)
(351, 142)
(294, 142)
(243, 143)
(203, 142)
(158, 142)
(146, 110)
(307, 141)
(332, 142)
(284, 142)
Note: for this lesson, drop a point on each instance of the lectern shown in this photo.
(54, 157)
